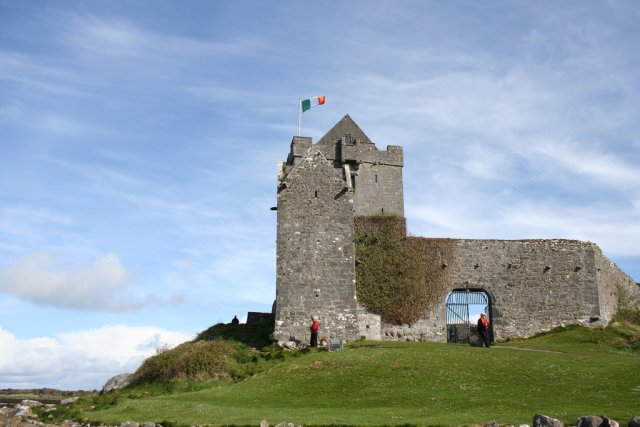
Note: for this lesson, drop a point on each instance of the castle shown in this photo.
(528, 286)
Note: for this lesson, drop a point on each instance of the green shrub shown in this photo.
(631, 316)
(199, 360)
(398, 277)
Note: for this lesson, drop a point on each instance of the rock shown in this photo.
(117, 382)
(492, 423)
(589, 421)
(635, 422)
(20, 411)
(129, 424)
(608, 422)
(291, 345)
(475, 340)
(264, 423)
(31, 403)
(68, 400)
(593, 421)
(148, 424)
(540, 420)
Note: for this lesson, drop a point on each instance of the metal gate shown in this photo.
(458, 301)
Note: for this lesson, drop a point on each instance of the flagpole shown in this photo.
(299, 114)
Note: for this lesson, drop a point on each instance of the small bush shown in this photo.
(631, 316)
(199, 360)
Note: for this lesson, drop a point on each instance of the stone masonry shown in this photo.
(320, 189)
(316, 265)
(533, 285)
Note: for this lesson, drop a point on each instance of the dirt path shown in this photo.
(527, 349)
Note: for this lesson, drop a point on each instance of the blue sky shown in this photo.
(139, 142)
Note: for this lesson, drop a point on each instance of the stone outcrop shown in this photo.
(594, 421)
(544, 421)
(118, 382)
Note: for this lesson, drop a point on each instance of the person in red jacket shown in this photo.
(483, 329)
(314, 331)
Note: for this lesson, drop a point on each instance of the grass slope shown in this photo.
(579, 372)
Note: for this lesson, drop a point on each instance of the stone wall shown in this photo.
(315, 253)
(616, 290)
(533, 285)
(369, 324)
(378, 189)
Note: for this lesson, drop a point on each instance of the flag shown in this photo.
(308, 103)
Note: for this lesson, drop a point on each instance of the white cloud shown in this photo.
(601, 166)
(18, 220)
(121, 38)
(231, 274)
(99, 286)
(31, 72)
(78, 360)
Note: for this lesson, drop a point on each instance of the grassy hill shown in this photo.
(564, 374)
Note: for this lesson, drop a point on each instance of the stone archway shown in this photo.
(463, 307)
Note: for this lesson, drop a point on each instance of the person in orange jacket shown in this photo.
(314, 331)
(483, 329)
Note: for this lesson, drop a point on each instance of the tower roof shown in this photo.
(345, 126)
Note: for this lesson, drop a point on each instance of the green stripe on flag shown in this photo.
(306, 104)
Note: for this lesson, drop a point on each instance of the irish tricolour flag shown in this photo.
(306, 104)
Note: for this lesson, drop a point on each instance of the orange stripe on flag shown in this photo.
(321, 100)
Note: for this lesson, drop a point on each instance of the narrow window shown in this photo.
(316, 193)
(376, 179)
(353, 181)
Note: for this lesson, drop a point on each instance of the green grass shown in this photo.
(399, 383)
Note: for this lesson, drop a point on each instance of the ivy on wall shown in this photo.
(398, 277)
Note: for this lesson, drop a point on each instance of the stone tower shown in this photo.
(321, 187)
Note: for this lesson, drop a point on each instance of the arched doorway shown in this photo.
(463, 308)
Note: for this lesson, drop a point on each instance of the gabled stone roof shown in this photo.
(345, 126)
